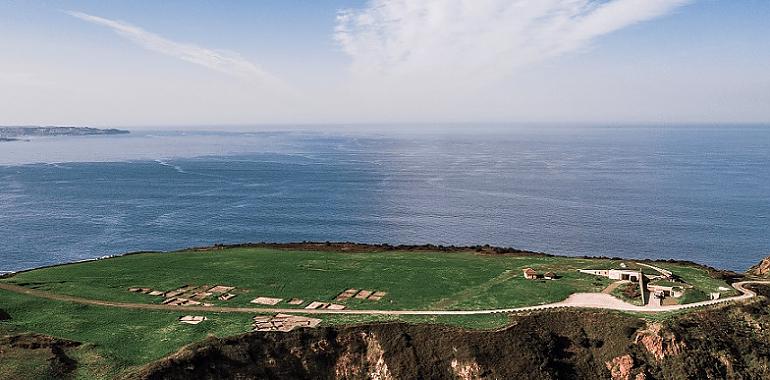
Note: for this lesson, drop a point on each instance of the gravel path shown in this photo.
(576, 300)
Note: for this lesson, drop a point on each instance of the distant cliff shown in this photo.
(12, 133)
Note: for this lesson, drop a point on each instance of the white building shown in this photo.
(666, 291)
(615, 274)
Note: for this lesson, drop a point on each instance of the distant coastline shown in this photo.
(15, 133)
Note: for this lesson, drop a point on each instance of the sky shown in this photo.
(212, 63)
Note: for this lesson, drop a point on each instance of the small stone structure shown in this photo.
(376, 296)
(226, 297)
(179, 301)
(283, 322)
(221, 289)
(189, 295)
(346, 294)
(666, 291)
(530, 274)
(324, 305)
(371, 295)
(317, 305)
(192, 320)
(266, 301)
(364, 294)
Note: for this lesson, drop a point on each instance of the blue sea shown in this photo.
(699, 193)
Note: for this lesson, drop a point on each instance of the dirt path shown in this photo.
(614, 285)
(576, 300)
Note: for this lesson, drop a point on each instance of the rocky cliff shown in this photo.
(762, 269)
(731, 342)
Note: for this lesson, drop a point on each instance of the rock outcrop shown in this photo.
(659, 343)
(762, 269)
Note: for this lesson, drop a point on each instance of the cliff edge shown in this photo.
(761, 269)
(729, 342)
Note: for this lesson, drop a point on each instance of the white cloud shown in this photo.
(229, 63)
(447, 39)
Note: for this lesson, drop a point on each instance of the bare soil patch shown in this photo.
(266, 301)
(283, 322)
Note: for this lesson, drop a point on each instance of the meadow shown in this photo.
(117, 341)
(412, 279)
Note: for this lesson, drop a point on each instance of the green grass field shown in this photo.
(118, 340)
(413, 280)
(115, 339)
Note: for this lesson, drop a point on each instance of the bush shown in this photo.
(693, 295)
(631, 291)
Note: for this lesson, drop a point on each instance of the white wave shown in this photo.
(58, 165)
(175, 167)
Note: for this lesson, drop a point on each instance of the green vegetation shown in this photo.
(413, 280)
(693, 295)
(629, 292)
(116, 341)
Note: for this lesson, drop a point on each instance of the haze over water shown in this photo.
(688, 193)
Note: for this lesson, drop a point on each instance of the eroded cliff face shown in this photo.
(732, 342)
(762, 269)
(659, 342)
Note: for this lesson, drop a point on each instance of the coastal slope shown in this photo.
(122, 317)
(725, 343)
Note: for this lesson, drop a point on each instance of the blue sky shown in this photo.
(176, 63)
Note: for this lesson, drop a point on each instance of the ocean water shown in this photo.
(691, 193)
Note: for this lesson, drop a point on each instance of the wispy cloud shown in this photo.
(456, 37)
(229, 63)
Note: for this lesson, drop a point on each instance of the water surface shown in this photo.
(692, 193)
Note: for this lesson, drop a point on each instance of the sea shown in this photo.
(698, 193)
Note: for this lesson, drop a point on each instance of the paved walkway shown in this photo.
(576, 300)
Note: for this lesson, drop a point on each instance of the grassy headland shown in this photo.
(117, 341)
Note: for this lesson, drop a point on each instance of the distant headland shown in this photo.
(15, 133)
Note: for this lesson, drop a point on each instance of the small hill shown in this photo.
(762, 269)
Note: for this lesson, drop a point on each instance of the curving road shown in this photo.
(576, 300)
